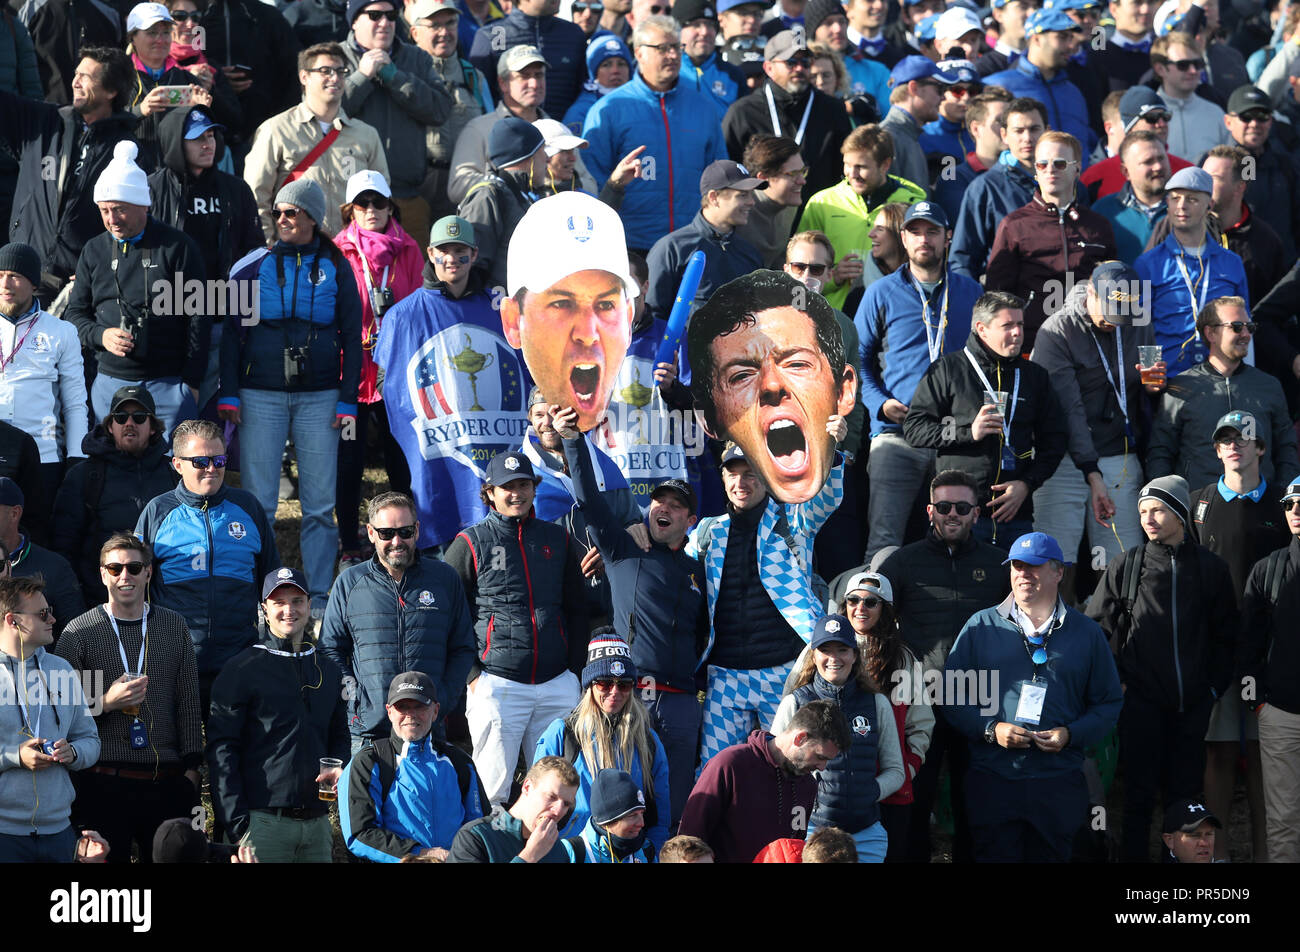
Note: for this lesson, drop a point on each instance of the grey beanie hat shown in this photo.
(1173, 492)
(307, 195)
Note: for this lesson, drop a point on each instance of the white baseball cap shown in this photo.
(558, 136)
(367, 181)
(562, 235)
(954, 23)
(145, 15)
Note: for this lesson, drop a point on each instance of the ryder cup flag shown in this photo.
(454, 392)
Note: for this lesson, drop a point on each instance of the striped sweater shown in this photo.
(171, 706)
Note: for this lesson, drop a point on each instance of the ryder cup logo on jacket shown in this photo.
(861, 726)
(237, 530)
(426, 598)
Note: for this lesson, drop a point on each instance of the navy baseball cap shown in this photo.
(1035, 548)
(917, 67)
(963, 69)
(1118, 288)
(731, 454)
(283, 576)
(199, 122)
(927, 211)
(507, 466)
(1137, 102)
(11, 493)
(679, 486)
(833, 628)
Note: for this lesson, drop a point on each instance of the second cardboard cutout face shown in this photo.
(768, 372)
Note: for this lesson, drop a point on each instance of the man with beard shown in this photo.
(760, 790)
(398, 607)
(1135, 209)
(787, 105)
(56, 214)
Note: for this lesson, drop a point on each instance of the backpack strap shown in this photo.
(571, 749)
(576, 848)
(386, 761)
(1129, 578)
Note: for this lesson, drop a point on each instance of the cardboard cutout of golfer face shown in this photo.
(573, 320)
(769, 372)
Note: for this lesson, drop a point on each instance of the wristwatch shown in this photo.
(991, 732)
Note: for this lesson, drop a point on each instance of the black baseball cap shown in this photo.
(415, 685)
(139, 394)
(688, 11)
(1186, 815)
(679, 486)
(725, 173)
(1248, 99)
(732, 453)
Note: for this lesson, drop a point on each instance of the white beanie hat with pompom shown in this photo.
(122, 180)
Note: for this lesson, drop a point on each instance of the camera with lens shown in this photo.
(295, 365)
(381, 299)
(136, 323)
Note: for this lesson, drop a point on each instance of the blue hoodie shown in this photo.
(1067, 111)
(990, 198)
(1173, 316)
(680, 145)
(889, 323)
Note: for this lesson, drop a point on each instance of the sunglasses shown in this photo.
(1290, 505)
(379, 203)
(1239, 326)
(864, 600)
(402, 532)
(816, 270)
(943, 508)
(45, 614)
(797, 61)
(1056, 165)
(205, 462)
(182, 16)
(115, 568)
(1156, 115)
(1183, 65)
(959, 92)
(609, 684)
(1256, 115)
(580, 7)
(138, 416)
(377, 15)
(289, 213)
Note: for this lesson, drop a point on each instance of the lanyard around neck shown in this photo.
(1015, 392)
(776, 120)
(144, 638)
(1121, 389)
(933, 342)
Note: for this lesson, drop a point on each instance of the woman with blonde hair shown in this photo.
(611, 727)
(853, 784)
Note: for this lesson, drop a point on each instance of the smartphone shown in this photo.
(177, 95)
(241, 67)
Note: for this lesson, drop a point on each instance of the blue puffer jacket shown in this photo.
(562, 43)
(848, 795)
(890, 325)
(376, 628)
(989, 199)
(307, 299)
(397, 797)
(1172, 315)
(210, 556)
(724, 82)
(679, 143)
(658, 804)
(1067, 110)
